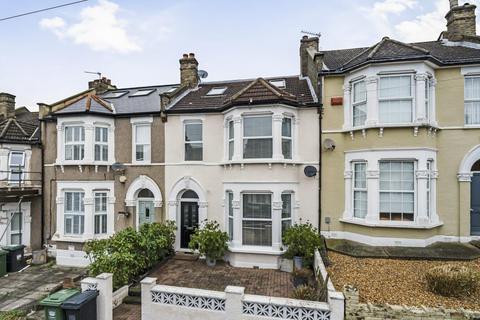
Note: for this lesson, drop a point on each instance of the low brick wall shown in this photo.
(354, 310)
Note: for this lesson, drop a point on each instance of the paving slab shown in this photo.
(437, 251)
(23, 290)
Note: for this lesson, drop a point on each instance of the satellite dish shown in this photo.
(310, 171)
(202, 74)
(329, 144)
(117, 166)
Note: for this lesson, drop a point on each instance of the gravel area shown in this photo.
(399, 282)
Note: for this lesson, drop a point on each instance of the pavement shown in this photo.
(23, 290)
(437, 251)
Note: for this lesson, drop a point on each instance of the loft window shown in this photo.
(216, 91)
(142, 92)
(113, 95)
(279, 83)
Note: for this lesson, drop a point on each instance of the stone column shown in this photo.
(373, 196)
(277, 137)
(237, 221)
(147, 285)
(420, 98)
(348, 175)
(88, 216)
(433, 194)
(276, 223)
(373, 116)
(238, 139)
(233, 302)
(4, 164)
(464, 180)
(422, 179)
(89, 141)
(103, 284)
(347, 106)
(60, 144)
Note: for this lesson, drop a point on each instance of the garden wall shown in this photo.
(354, 310)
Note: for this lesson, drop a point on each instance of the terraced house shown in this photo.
(104, 155)
(20, 176)
(401, 153)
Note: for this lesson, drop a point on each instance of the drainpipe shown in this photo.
(320, 117)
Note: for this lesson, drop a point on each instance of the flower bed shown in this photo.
(396, 282)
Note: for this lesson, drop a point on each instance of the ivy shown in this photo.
(128, 253)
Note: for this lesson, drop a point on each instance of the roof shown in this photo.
(107, 104)
(296, 92)
(23, 128)
(388, 50)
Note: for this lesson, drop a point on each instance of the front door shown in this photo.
(189, 221)
(475, 205)
(145, 212)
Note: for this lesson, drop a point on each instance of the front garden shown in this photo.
(447, 284)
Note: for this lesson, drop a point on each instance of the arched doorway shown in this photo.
(188, 216)
(145, 207)
(475, 200)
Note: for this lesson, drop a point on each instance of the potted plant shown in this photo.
(301, 241)
(210, 242)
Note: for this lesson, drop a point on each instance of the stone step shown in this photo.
(132, 300)
(187, 256)
(135, 291)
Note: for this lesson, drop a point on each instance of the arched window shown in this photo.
(145, 193)
(189, 194)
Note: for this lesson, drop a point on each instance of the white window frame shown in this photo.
(185, 142)
(142, 122)
(289, 138)
(358, 189)
(244, 138)
(21, 168)
(230, 139)
(101, 144)
(410, 98)
(243, 219)
(290, 219)
(470, 100)
(358, 103)
(15, 232)
(74, 213)
(75, 143)
(102, 223)
(230, 215)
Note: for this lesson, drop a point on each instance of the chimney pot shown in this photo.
(191, 55)
(185, 56)
(453, 3)
(461, 21)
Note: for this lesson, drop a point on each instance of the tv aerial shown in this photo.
(310, 33)
(99, 74)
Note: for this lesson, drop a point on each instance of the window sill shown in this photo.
(82, 163)
(256, 250)
(433, 125)
(262, 161)
(79, 239)
(392, 224)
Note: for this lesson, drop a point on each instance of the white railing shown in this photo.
(185, 303)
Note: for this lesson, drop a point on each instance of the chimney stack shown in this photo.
(307, 44)
(7, 105)
(189, 70)
(461, 22)
(101, 85)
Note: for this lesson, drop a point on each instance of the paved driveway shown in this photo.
(22, 290)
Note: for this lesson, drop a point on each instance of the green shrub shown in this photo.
(13, 315)
(305, 292)
(128, 253)
(210, 241)
(452, 281)
(302, 240)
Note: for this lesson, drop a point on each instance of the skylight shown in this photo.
(142, 92)
(279, 83)
(116, 94)
(216, 91)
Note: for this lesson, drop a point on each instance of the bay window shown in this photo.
(472, 100)
(286, 212)
(74, 143)
(193, 141)
(142, 142)
(16, 165)
(395, 99)
(257, 219)
(397, 190)
(257, 137)
(100, 212)
(101, 144)
(359, 105)
(230, 214)
(287, 138)
(231, 139)
(74, 213)
(359, 190)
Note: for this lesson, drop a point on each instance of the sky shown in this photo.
(44, 56)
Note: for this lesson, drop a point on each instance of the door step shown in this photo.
(187, 256)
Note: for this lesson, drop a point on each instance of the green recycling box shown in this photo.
(3, 263)
(53, 303)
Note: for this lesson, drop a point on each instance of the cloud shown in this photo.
(98, 27)
(386, 7)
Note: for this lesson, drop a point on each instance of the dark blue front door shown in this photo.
(475, 205)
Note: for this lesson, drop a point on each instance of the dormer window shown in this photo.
(216, 91)
(279, 83)
(395, 99)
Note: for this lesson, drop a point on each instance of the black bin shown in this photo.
(82, 306)
(15, 257)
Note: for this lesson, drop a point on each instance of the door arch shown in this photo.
(469, 171)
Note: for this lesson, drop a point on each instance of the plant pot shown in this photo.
(211, 262)
(297, 262)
